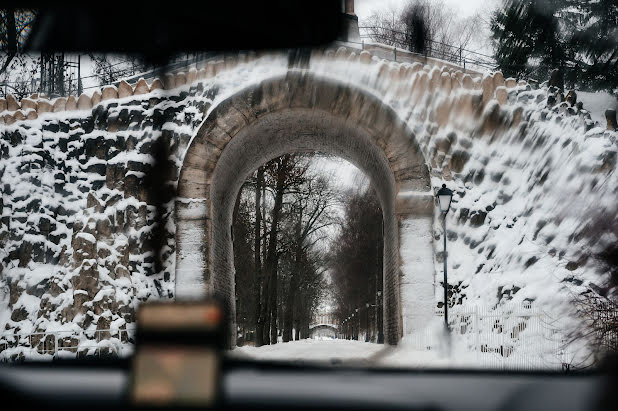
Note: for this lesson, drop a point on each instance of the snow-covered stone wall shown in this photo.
(531, 172)
(76, 215)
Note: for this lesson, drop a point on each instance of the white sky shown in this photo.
(363, 8)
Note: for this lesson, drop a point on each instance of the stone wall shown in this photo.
(77, 213)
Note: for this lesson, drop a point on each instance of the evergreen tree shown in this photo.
(578, 37)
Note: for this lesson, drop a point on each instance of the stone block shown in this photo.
(191, 75)
(141, 87)
(96, 98)
(124, 89)
(59, 104)
(8, 119)
(169, 81)
(487, 85)
(84, 102)
(156, 85)
(31, 115)
(501, 95)
(71, 103)
(26, 104)
(467, 82)
(11, 103)
(109, 93)
(498, 79)
(181, 79)
(365, 57)
(19, 116)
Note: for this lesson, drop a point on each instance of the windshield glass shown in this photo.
(434, 189)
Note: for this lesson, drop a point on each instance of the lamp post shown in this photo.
(357, 324)
(349, 328)
(444, 198)
(367, 321)
(380, 326)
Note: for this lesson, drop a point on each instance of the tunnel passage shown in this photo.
(295, 113)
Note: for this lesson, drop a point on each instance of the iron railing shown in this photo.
(519, 337)
(116, 342)
(434, 49)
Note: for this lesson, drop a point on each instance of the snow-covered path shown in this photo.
(353, 353)
(313, 350)
(406, 354)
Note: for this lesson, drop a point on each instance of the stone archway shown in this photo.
(294, 113)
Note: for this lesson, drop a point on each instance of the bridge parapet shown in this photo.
(396, 66)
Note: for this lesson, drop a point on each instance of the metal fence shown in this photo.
(117, 342)
(518, 337)
(435, 49)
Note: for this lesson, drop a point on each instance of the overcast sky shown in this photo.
(363, 8)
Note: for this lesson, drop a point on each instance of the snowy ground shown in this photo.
(327, 350)
(334, 351)
(439, 352)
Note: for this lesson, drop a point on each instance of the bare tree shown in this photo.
(279, 225)
(356, 260)
(15, 26)
(423, 26)
(112, 68)
(311, 211)
(598, 305)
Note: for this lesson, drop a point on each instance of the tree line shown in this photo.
(280, 226)
(355, 263)
(300, 241)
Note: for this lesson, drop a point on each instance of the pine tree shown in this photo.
(578, 37)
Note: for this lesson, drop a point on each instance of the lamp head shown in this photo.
(445, 196)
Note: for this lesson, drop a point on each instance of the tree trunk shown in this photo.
(259, 326)
(266, 309)
(273, 304)
(271, 256)
(289, 305)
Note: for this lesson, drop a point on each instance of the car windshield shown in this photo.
(434, 188)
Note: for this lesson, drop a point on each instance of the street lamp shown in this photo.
(380, 327)
(367, 321)
(444, 198)
(357, 324)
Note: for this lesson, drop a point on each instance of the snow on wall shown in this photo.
(75, 207)
(529, 170)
